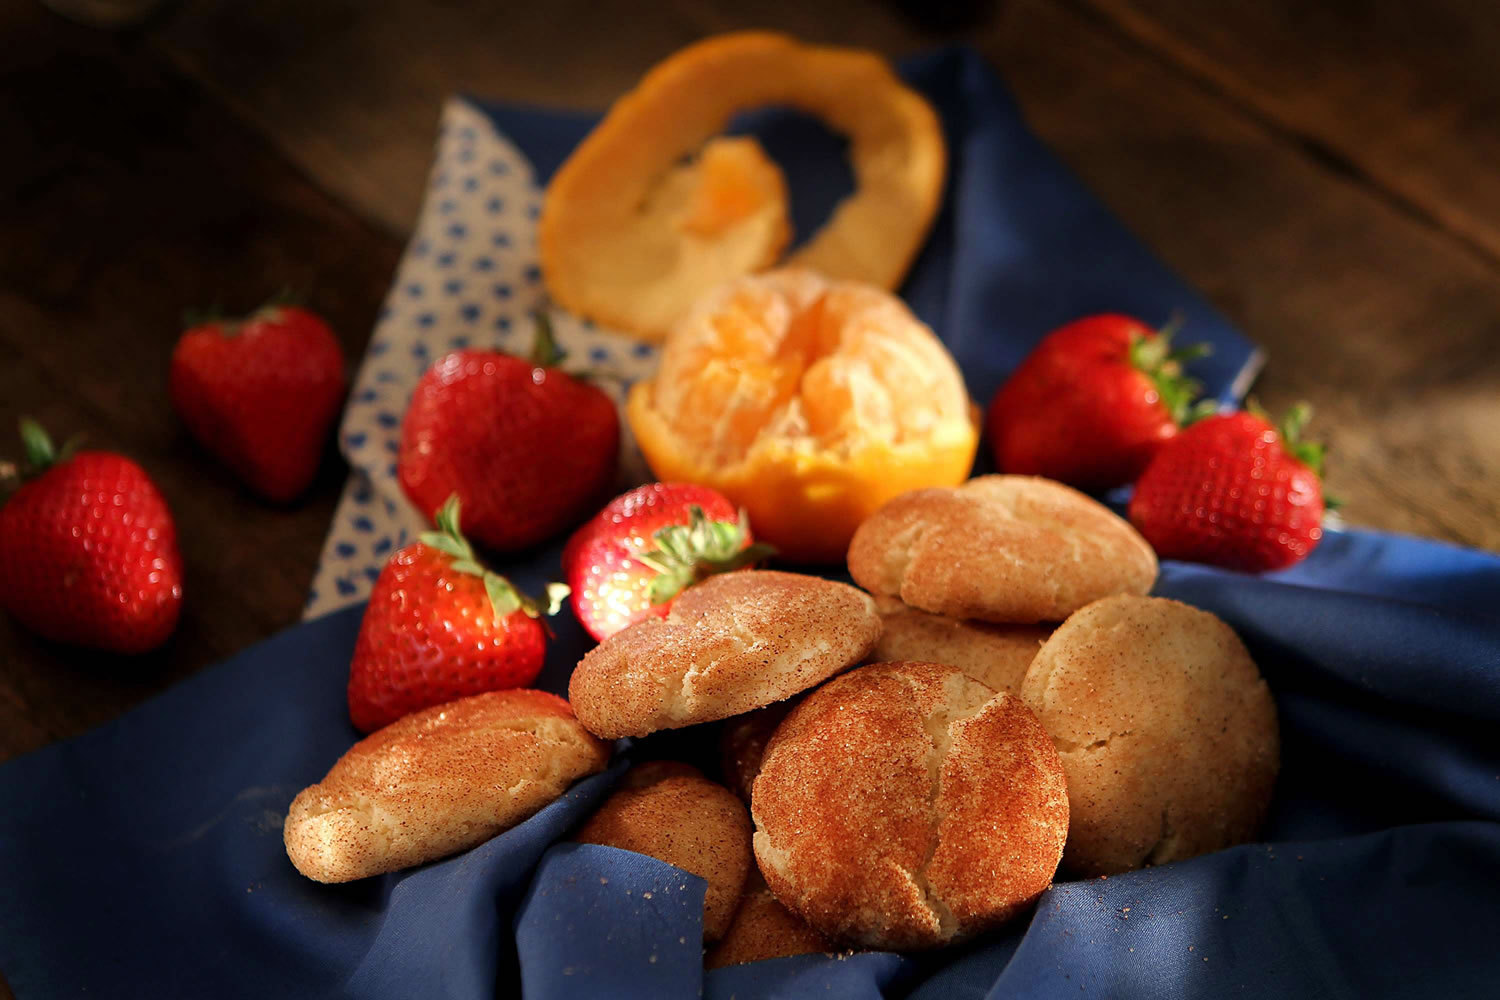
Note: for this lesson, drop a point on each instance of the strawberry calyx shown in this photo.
(686, 554)
(38, 455)
(230, 326)
(545, 353)
(1309, 453)
(505, 599)
(1157, 360)
(1289, 429)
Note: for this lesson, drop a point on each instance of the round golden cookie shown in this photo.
(1000, 549)
(691, 823)
(906, 805)
(995, 655)
(730, 644)
(437, 782)
(742, 745)
(762, 928)
(1165, 727)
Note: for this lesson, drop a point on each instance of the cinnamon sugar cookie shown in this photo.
(906, 805)
(1166, 729)
(732, 643)
(1000, 549)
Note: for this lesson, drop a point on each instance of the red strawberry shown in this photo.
(1231, 491)
(526, 447)
(261, 394)
(1092, 403)
(88, 550)
(638, 553)
(440, 626)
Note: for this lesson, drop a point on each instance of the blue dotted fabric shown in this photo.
(468, 279)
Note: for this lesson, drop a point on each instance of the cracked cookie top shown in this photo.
(907, 805)
(730, 644)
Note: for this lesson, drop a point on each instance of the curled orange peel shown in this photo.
(655, 208)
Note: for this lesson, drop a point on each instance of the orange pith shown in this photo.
(808, 402)
(734, 179)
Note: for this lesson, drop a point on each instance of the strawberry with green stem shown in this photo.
(632, 559)
(88, 549)
(1235, 491)
(1094, 401)
(441, 626)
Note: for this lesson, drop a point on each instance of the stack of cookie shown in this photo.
(1165, 728)
(1024, 705)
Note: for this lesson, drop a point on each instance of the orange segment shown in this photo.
(808, 402)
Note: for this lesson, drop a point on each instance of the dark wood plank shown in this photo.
(352, 91)
(1370, 308)
(1386, 323)
(1400, 93)
(124, 196)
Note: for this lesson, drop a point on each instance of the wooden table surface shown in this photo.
(1324, 172)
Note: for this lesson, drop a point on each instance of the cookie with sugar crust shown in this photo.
(733, 643)
(437, 782)
(1166, 729)
(1010, 549)
(906, 805)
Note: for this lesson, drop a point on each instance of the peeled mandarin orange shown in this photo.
(809, 402)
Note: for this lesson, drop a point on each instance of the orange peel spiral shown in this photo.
(655, 208)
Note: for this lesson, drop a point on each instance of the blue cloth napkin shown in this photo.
(145, 858)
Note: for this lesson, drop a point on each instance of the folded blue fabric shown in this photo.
(145, 858)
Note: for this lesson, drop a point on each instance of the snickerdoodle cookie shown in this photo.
(730, 644)
(1000, 549)
(1165, 727)
(437, 782)
(907, 805)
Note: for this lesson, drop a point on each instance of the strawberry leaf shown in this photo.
(556, 594)
(37, 445)
(1155, 357)
(1191, 352)
(504, 598)
(544, 350)
(1309, 453)
(685, 554)
(70, 447)
(1201, 410)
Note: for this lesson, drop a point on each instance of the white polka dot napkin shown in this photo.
(468, 278)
